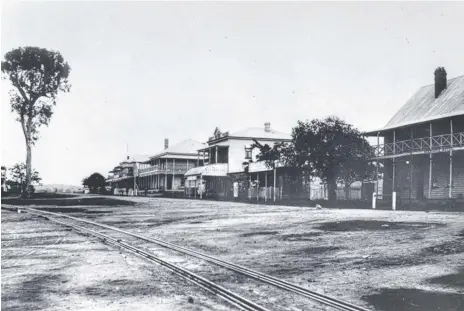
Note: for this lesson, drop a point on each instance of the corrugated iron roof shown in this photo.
(188, 146)
(138, 158)
(259, 132)
(253, 133)
(423, 106)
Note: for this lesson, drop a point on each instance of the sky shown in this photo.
(145, 71)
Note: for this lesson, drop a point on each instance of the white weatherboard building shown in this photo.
(228, 158)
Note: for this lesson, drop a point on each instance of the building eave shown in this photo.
(164, 154)
(215, 141)
(415, 122)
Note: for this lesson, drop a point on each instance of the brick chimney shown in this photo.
(267, 126)
(166, 143)
(440, 81)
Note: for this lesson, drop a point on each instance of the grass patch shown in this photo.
(124, 288)
(296, 237)
(257, 233)
(374, 225)
(409, 299)
(311, 251)
(394, 261)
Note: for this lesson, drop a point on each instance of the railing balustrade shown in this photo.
(170, 168)
(422, 144)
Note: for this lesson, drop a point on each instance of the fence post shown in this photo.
(394, 200)
(374, 198)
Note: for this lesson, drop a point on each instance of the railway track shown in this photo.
(212, 287)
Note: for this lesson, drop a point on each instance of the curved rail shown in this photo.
(294, 288)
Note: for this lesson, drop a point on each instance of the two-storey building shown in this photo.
(226, 164)
(122, 179)
(423, 144)
(164, 172)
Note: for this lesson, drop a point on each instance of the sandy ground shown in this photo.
(383, 260)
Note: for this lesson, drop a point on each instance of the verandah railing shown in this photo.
(180, 168)
(423, 144)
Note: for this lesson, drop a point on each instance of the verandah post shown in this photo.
(377, 165)
(166, 177)
(394, 160)
(265, 185)
(201, 186)
(451, 163)
(257, 187)
(249, 188)
(430, 164)
(275, 181)
(411, 171)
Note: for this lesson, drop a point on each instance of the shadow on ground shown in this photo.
(453, 280)
(71, 201)
(408, 299)
(32, 294)
(451, 247)
(357, 225)
(258, 233)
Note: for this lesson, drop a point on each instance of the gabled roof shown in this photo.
(424, 107)
(186, 147)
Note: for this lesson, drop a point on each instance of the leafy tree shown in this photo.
(37, 75)
(284, 154)
(18, 177)
(334, 151)
(280, 152)
(95, 182)
(329, 149)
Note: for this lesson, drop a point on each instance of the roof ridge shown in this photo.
(450, 79)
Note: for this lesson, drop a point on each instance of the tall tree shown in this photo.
(37, 75)
(18, 176)
(95, 182)
(335, 151)
(329, 149)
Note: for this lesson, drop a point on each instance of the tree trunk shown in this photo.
(28, 167)
(347, 192)
(332, 187)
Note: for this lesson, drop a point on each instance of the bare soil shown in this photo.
(382, 260)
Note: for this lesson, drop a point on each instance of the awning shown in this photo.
(218, 170)
(262, 166)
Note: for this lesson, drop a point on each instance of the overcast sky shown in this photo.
(145, 71)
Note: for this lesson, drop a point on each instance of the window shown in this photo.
(247, 153)
(182, 182)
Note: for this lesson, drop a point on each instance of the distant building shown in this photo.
(164, 172)
(423, 144)
(123, 178)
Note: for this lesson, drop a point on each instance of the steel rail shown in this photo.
(294, 288)
(231, 297)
